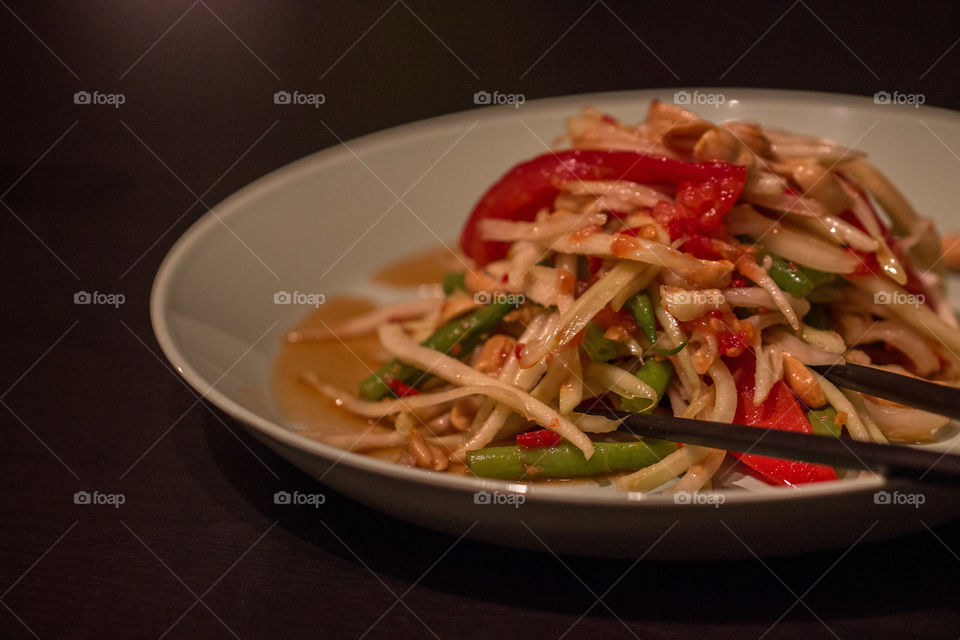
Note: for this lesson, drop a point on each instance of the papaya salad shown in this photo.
(675, 266)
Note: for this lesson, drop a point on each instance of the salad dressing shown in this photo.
(421, 269)
(334, 362)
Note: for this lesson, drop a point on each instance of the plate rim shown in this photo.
(233, 204)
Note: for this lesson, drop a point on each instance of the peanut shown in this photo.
(801, 382)
(494, 354)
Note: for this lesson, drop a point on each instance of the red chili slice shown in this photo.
(538, 438)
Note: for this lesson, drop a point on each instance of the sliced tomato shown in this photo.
(781, 410)
(710, 188)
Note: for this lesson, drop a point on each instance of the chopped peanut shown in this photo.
(678, 128)
(426, 455)
(801, 382)
(419, 450)
(523, 315)
(751, 135)
(494, 354)
(718, 144)
(822, 185)
(455, 307)
(463, 412)
(441, 460)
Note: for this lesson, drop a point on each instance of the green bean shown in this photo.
(453, 281)
(457, 337)
(824, 422)
(655, 373)
(598, 348)
(790, 279)
(796, 280)
(816, 276)
(566, 461)
(642, 309)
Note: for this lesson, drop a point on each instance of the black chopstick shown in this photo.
(912, 392)
(896, 461)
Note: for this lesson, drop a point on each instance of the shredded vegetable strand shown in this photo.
(700, 473)
(673, 465)
(492, 416)
(725, 405)
(366, 323)
(452, 370)
(685, 370)
(732, 255)
(582, 311)
(855, 426)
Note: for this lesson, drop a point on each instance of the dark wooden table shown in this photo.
(94, 195)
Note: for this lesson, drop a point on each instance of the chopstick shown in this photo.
(895, 461)
(909, 391)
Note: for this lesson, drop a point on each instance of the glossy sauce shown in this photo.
(343, 363)
(424, 268)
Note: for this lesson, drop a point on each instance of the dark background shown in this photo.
(94, 196)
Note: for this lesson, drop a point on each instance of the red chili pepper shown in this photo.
(711, 188)
(400, 389)
(538, 438)
(780, 411)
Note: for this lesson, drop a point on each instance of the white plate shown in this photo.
(325, 223)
